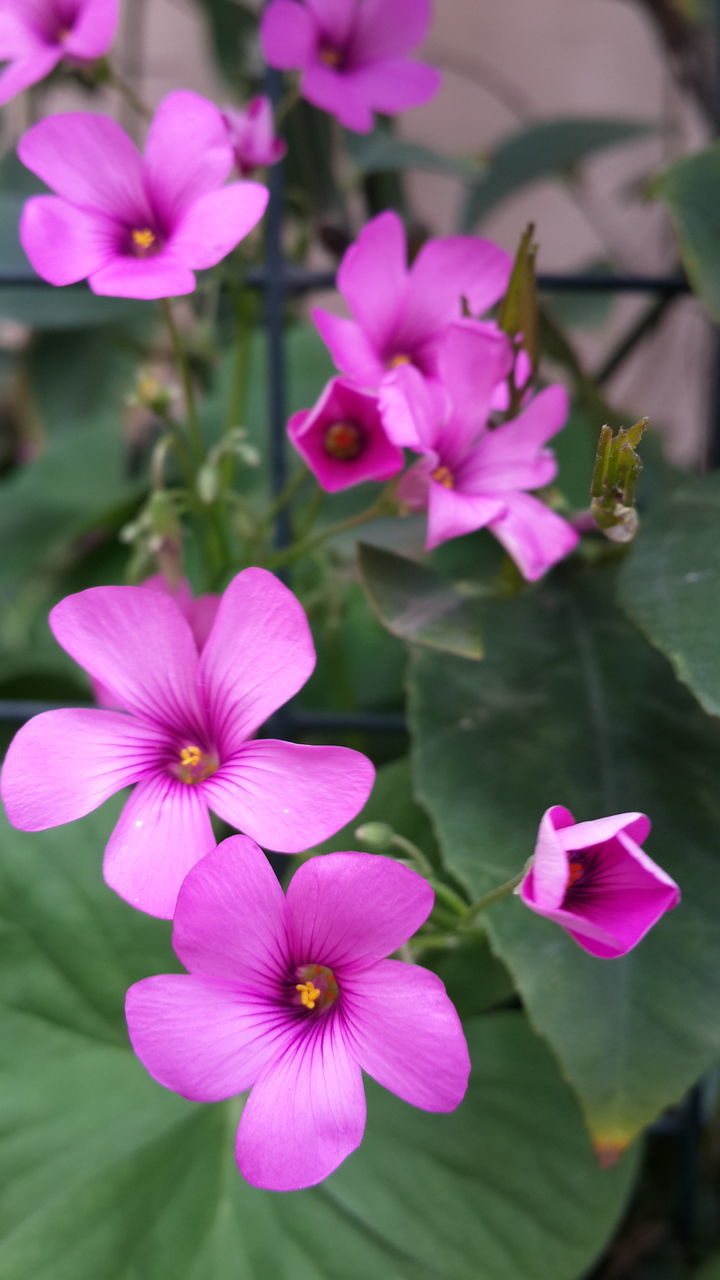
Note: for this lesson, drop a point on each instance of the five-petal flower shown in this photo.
(342, 439)
(35, 35)
(252, 135)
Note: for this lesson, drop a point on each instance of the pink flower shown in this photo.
(135, 226)
(353, 54)
(293, 998)
(343, 439)
(184, 737)
(252, 136)
(35, 35)
(595, 880)
(401, 314)
(473, 476)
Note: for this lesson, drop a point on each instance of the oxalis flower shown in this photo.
(595, 880)
(135, 226)
(252, 135)
(183, 739)
(292, 998)
(343, 440)
(400, 313)
(353, 54)
(35, 35)
(472, 475)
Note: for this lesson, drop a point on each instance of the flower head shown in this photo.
(184, 736)
(343, 439)
(473, 476)
(35, 35)
(252, 136)
(400, 313)
(595, 880)
(135, 226)
(292, 998)
(353, 54)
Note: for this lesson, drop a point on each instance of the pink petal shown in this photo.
(201, 615)
(349, 910)
(533, 535)
(413, 488)
(258, 654)
(213, 225)
(63, 764)
(288, 35)
(411, 409)
(164, 276)
(446, 271)
(231, 918)
(187, 154)
(350, 348)
(138, 644)
(546, 882)
(19, 35)
(27, 70)
(94, 29)
(203, 1038)
(91, 162)
(305, 1114)
(162, 832)
(63, 243)
(472, 360)
(406, 1034)
(372, 277)
(395, 84)
(344, 403)
(385, 30)
(541, 419)
(452, 513)
(583, 835)
(334, 18)
(288, 796)
(334, 92)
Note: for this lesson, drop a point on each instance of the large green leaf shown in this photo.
(106, 1176)
(669, 583)
(571, 706)
(417, 605)
(691, 190)
(382, 152)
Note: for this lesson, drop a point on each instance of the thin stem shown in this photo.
(495, 894)
(285, 106)
(244, 309)
(286, 494)
(193, 424)
(415, 855)
(132, 98)
(343, 526)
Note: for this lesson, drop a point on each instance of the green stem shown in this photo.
(286, 494)
(422, 862)
(495, 894)
(132, 98)
(285, 106)
(193, 425)
(343, 526)
(244, 309)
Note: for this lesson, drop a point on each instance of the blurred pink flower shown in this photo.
(35, 35)
(184, 737)
(293, 998)
(135, 226)
(252, 136)
(595, 880)
(353, 54)
(400, 313)
(343, 440)
(473, 476)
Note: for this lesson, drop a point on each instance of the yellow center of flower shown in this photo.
(195, 765)
(344, 440)
(143, 240)
(330, 57)
(316, 987)
(576, 872)
(444, 476)
(398, 360)
(309, 994)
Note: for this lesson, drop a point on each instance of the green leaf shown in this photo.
(382, 152)
(690, 189)
(231, 27)
(571, 706)
(669, 584)
(711, 1269)
(417, 605)
(392, 801)
(108, 1176)
(550, 149)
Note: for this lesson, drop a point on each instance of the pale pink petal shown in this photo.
(472, 360)
(164, 276)
(187, 154)
(372, 277)
(305, 1113)
(547, 878)
(258, 655)
(138, 644)
(19, 34)
(406, 1034)
(231, 918)
(395, 84)
(512, 456)
(91, 162)
(65, 244)
(413, 488)
(288, 35)
(412, 409)
(204, 1038)
(533, 535)
(349, 910)
(334, 18)
(446, 271)
(27, 70)
(94, 29)
(63, 764)
(162, 832)
(452, 513)
(386, 30)
(541, 419)
(333, 91)
(289, 796)
(212, 226)
(350, 348)
(201, 615)
(582, 835)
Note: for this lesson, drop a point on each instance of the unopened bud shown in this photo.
(615, 476)
(376, 835)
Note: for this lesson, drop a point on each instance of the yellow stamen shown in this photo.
(399, 360)
(444, 476)
(330, 57)
(309, 994)
(195, 765)
(143, 238)
(190, 757)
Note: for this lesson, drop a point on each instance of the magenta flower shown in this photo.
(595, 880)
(343, 440)
(252, 136)
(293, 998)
(184, 738)
(473, 476)
(135, 226)
(35, 35)
(401, 314)
(353, 54)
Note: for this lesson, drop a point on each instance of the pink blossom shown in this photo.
(400, 313)
(353, 54)
(595, 880)
(35, 35)
(184, 738)
(473, 476)
(252, 136)
(343, 440)
(292, 997)
(135, 226)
